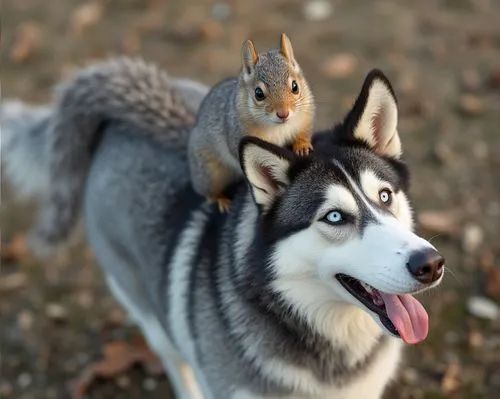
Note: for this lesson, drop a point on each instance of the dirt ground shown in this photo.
(443, 58)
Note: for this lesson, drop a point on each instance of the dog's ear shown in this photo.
(266, 168)
(374, 116)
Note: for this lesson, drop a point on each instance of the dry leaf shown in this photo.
(441, 222)
(471, 105)
(119, 356)
(493, 283)
(339, 66)
(450, 381)
(27, 41)
(85, 16)
(13, 281)
(476, 339)
(16, 250)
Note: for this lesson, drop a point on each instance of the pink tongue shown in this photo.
(408, 316)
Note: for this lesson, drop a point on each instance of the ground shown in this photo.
(443, 58)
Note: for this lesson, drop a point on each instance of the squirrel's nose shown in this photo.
(282, 114)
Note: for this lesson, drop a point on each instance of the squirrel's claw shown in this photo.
(302, 147)
(223, 203)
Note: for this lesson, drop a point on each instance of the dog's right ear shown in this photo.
(249, 58)
(266, 168)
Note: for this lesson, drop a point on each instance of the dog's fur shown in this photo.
(249, 299)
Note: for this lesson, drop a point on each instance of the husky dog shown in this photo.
(303, 290)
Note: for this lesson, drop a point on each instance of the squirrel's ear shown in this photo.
(374, 116)
(286, 48)
(266, 168)
(249, 56)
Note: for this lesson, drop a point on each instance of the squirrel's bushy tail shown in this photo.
(24, 147)
(47, 151)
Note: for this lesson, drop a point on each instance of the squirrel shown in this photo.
(48, 149)
(270, 99)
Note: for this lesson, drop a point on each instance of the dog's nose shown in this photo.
(282, 114)
(426, 265)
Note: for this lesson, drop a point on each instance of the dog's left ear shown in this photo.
(374, 116)
(266, 168)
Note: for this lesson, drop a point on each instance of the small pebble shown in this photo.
(221, 11)
(55, 311)
(472, 238)
(410, 375)
(24, 380)
(123, 381)
(318, 10)
(25, 320)
(149, 384)
(483, 308)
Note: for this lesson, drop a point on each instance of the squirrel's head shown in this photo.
(274, 88)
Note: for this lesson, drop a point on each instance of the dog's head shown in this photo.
(339, 223)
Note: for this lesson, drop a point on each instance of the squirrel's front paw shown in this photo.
(302, 146)
(223, 203)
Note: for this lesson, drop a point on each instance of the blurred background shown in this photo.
(443, 58)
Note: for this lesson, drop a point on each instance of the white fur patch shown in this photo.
(179, 284)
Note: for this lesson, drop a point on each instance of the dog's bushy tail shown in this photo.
(47, 150)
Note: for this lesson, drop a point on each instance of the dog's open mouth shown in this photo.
(402, 315)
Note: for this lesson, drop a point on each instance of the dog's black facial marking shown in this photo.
(293, 211)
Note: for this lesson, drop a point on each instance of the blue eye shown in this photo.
(335, 217)
(385, 196)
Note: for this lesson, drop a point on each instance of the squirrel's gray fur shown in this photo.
(65, 134)
(230, 112)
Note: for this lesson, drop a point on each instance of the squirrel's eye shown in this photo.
(259, 94)
(295, 87)
(385, 196)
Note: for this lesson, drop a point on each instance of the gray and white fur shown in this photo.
(266, 300)
(63, 136)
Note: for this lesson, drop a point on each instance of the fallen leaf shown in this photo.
(494, 79)
(15, 250)
(471, 105)
(85, 16)
(441, 222)
(476, 339)
(27, 40)
(13, 281)
(119, 356)
(493, 283)
(450, 381)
